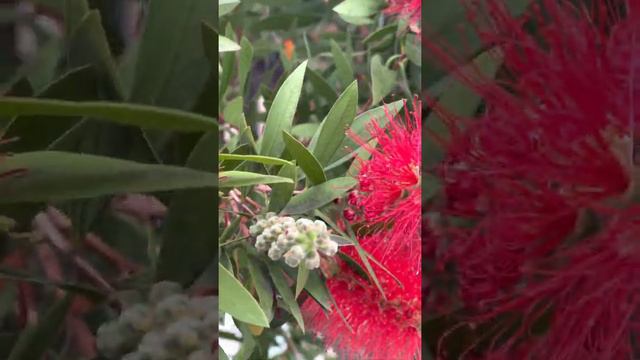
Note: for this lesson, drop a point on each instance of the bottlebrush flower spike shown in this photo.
(389, 188)
(410, 10)
(544, 176)
(380, 328)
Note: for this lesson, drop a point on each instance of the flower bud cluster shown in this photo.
(169, 325)
(293, 240)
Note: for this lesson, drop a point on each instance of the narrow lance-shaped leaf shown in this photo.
(383, 79)
(309, 164)
(343, 64)
(226, 6)
(236, 301)
(126, 114)
(53, 175)
(333, 128)
(281, 193)
(226, 45)
(244, 178)
(282, 111)
(280, 281)
(319, 195)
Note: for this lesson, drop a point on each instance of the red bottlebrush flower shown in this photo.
(591, 290)
(378, 328)
(389, 189)
(408, 9)
(552, 151)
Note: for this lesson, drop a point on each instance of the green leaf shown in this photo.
(34, 342)
(223, 355)
(226, 45)
(307, 162)
(74, 13)
(226, 6)
(358, 8)
(171, 57)
(88, 45)
(280, 281)
(343, 63)
(236, 301)
(281, 193)
(228, 61)
(383, 79)
(188, 232)
(317, 288)
(282, 111)
(413, 49)
(234, 115)
(254, 158)
(244, 62)
(319, 195)
(321, 86)
(380, 35)
(339, 119)
(301, 279)
(359, 129)
(305, 130)
(52, 176)
(244, 178)
(122, 113)
(263, 287)
(37, 132)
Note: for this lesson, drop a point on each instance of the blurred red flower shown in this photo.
(388, 194)
(387, 201)
(410, 10)
(379, 327)
(546, 179)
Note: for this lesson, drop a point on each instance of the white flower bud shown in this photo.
(288, 220)
(329, 248)
(313, 260)
(277, 229)
(275, 253)
(320, 226)
(294, 256)
(270, 215)
(282, 241)
(292, 235)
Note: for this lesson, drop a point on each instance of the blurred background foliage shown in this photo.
(103, 101)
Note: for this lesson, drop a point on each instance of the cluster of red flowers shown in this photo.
(547, 176)
(410, 10)
(366, 323)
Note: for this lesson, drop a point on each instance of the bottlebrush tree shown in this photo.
(320, 180)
